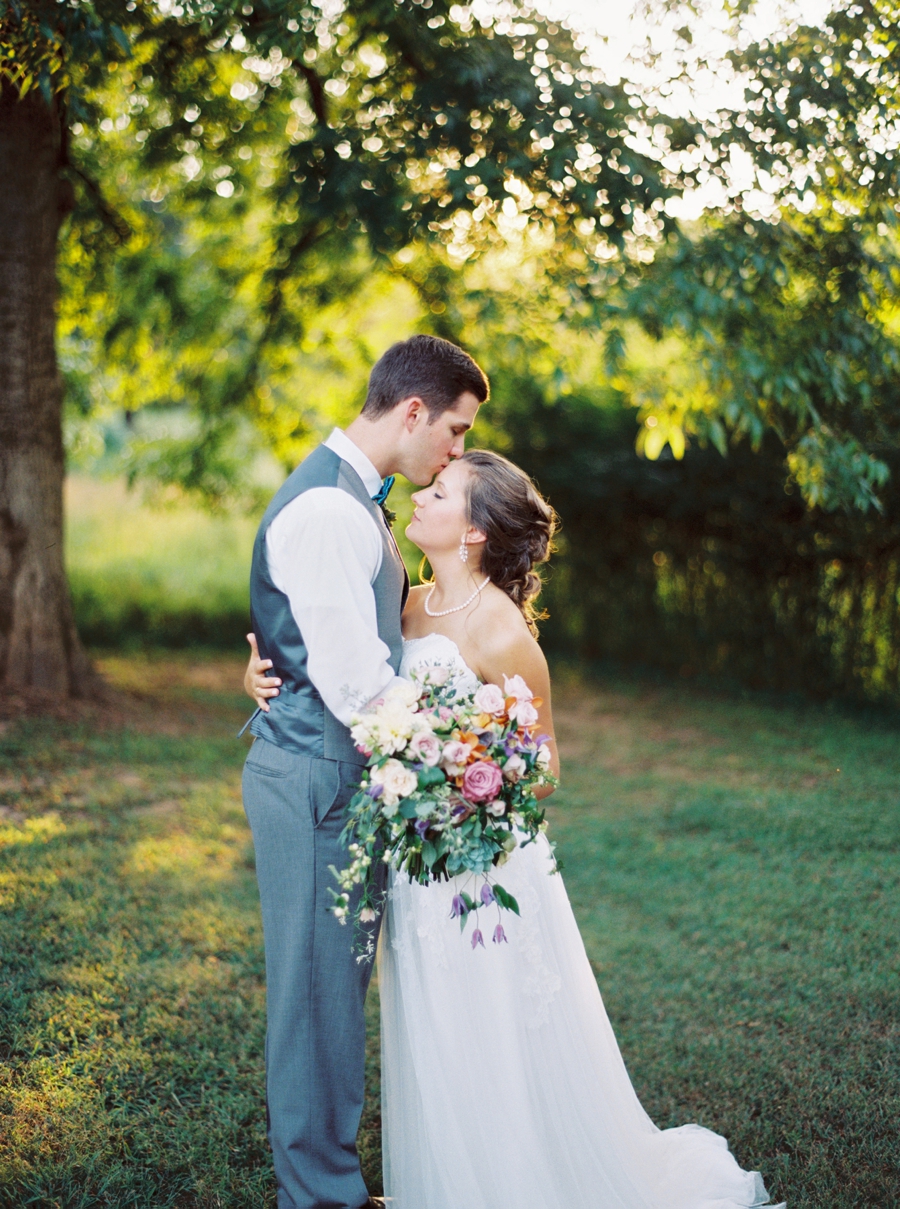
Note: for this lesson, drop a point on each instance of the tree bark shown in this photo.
(39, 646)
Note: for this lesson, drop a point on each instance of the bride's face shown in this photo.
(440, 517)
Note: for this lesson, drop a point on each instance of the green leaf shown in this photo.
(430, 776)
(121, 38)
(45, 85)
(505, 899)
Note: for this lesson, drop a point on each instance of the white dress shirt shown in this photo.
(324, 551)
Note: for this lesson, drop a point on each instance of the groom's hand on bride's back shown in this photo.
(257, 684)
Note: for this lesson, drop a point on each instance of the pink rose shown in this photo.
(426, 747)
(515, 686)
(482, 781)
(524, 713)
(490, 700)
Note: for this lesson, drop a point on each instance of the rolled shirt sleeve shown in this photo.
(324, 552)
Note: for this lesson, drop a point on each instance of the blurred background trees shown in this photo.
(263, 197)
(260, 162)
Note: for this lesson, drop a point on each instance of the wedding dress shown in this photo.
(502, 1083)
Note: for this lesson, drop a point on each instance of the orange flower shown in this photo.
(473, 742)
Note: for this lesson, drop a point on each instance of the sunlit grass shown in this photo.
(154, 575)
(737, 895)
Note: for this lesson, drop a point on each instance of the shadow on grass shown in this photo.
(133, 998)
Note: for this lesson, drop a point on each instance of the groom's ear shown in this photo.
(414, 412)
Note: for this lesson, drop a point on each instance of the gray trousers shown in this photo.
(315, 988)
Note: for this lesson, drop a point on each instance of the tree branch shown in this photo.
(280, 275)
(316, 91)
(273, 305)
(117, 224)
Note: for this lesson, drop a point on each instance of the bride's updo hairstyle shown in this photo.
(516, 520)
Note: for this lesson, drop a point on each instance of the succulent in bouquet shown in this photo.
(448, 790)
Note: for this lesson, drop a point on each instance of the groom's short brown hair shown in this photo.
(434, 369)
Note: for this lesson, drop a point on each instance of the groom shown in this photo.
(327, 588)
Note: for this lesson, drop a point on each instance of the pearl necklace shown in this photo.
(458, 608)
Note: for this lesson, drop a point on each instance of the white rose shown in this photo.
(514, 769)
(438, 676)
(405, 692)
(542, 759)
(489, 700)
(396, 781)
(496, 808)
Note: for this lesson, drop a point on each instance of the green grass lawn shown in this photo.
(737, 895)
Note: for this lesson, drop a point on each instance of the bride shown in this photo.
(502, 1082)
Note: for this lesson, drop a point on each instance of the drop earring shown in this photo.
(463, 551)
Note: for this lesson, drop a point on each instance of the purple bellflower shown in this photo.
(458, 907)
(477, 938)
(500, 936)
(487, 895)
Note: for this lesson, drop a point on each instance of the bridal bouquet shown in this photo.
(447, 786)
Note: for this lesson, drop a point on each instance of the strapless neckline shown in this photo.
(437, 650)
(428, 637)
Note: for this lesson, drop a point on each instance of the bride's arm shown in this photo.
(520, 655)
(257, 684)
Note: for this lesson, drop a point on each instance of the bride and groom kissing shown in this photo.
(502, 1083)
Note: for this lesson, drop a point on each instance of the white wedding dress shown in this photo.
(502, 1083)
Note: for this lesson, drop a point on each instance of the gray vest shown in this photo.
(298, 718)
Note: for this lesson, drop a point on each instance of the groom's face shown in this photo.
(433, 442)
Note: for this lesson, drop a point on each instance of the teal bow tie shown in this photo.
(384, 490)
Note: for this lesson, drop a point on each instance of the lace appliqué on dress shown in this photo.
(541, 984)
(420, 919)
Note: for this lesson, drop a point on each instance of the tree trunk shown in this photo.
(39, 647)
